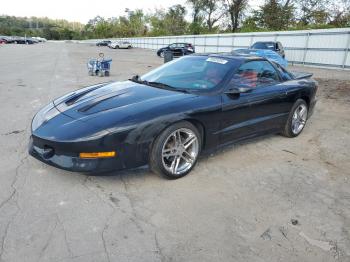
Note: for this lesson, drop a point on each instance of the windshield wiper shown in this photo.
(159, 84)
(137, 79)
(181, 90)
(168, 87)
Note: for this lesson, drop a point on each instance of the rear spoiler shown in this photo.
(302, 75)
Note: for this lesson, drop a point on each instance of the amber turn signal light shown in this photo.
(97, 154)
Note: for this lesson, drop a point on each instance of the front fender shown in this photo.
(140, 137)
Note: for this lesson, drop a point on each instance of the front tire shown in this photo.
(175, 151)
(297, 119)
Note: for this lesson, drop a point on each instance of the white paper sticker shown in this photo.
(217, 60)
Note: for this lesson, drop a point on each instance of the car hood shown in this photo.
(120, 99)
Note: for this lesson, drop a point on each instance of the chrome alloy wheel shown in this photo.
(299, 119)
(180, 151)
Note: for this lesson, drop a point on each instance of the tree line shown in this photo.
(206, 16)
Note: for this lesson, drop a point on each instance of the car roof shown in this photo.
(266, 42)
(232, 56)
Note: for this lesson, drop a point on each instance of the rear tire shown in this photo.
(296, 119)
(175, 151)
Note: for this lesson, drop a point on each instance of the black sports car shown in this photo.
(168, 116)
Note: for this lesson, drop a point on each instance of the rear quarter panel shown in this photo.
(301, 89)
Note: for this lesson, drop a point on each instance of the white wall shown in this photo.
(323, 47)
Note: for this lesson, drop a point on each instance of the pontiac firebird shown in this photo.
(168, 116)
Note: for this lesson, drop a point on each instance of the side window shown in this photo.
(280, 45)
(269, 75)
(283, 72)
(172, 45)
(255, 74)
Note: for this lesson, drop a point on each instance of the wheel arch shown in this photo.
(200, 127)
(306, 99)
(198, 124)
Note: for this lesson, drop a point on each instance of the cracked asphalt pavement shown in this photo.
(271, 199)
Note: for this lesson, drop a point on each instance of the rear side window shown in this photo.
(280, 45)
(285, 75)
(255, 74)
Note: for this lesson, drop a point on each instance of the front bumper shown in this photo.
(49, 152)
(71, 162)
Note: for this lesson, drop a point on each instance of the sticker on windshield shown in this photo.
(217, 60)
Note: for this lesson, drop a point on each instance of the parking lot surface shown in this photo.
(271, 199)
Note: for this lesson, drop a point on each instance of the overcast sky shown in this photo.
(83, 10)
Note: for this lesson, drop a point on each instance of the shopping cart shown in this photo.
(100, 66)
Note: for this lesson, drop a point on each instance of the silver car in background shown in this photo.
(120, 44)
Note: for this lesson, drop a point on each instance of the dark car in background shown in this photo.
(18, 40)
(178, 49)
(270, 45)
(3, 40)
(103, 43)
(168, 116)
(21, 41)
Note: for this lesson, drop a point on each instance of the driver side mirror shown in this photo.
(238, 90)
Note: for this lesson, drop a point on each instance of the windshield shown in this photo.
(261, 45)
(191, 73)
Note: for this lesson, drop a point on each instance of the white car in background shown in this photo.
(120, 44)
(40, 39)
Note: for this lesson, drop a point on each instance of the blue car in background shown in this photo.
(269, 54)
(270, 45)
